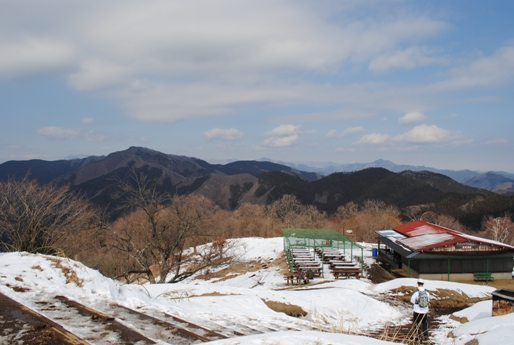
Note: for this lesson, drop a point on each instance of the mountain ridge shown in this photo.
(465, 176)
(232, 184)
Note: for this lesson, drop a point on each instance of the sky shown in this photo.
(415, 82)
(356, 305)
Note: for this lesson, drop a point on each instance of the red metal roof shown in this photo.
(425, 236)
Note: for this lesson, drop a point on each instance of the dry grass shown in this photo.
(17, 288)
(288, 309)
(497, 283)
(70, 274)
(459, 319)
(441, 298)
(239, 268)
(377, 274)
(394, 333)
(213, 294)
(37, 267)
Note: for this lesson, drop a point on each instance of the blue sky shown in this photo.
(415, 82)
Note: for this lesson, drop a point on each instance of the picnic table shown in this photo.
(315, 269)
(300, 251)
(306, 263)
(342, 264)
(347, 272)
(291, 278)
(335, 262)
(344, 267)
(300, 256)
(328, 257)
(333, 253)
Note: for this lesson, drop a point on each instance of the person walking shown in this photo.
(420, 300)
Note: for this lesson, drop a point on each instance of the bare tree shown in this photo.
(158, 233)
(286, 210)
(500, 229)
(364, 220)
(347, 211)
(443, 220)
(34, 218)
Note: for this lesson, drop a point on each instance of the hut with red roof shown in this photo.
(429, 251)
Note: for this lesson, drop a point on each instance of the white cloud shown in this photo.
(202, 41)
(346, 133)
(281, 141)
(372, 139)
(168, 60)
(222, 133)
(94, 136)
(331, 133)
(62, 133)
(368, 38)
(352, 131)
(54, 132)
(497, 141)
(157, 101)
(29, 54)
(284, 130)
(87, 121)
(414, 117)
(430, 134)
(98, 74)
(283, 135)
(343, 149)
(406, 59)
(487, 71)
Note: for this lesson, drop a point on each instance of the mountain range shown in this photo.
(497, 181)
(260, 182)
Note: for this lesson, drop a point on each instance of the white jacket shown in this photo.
(414, 299)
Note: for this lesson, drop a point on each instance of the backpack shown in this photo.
(423, 299)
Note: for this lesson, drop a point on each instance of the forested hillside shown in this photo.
(232, 185)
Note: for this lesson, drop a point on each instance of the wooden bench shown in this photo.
(336, 263)
(305, 265)
(315, 270)
(344, 267)
(330, 257)
(483, 276)
(292, 278)
(347, 272)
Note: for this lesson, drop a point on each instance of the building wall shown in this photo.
(456, 277)
(460, 277)
(456, 265)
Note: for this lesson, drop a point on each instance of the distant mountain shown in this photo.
(463, 176)
(42, 171)
(96, 177)
(256, 168)
(259, 182)
(492, 181)
(224, 184)
(400, 189)
(329, 168)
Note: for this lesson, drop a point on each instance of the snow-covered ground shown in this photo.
(348, 306)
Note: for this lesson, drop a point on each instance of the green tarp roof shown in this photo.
(321, 234)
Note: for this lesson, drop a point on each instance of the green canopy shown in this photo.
(316, 234)
(318, 238)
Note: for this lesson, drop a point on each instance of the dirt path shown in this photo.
(497, 283)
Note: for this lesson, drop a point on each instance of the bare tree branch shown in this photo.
(35, 218)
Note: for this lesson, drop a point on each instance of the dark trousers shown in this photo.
(421, 324)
